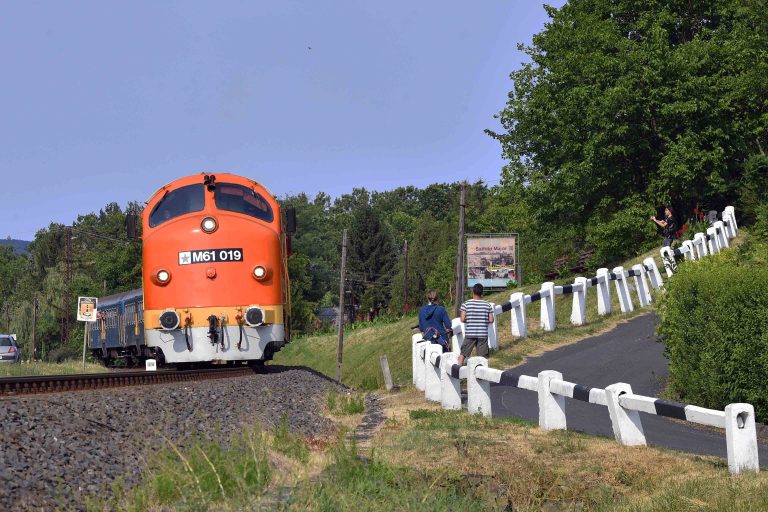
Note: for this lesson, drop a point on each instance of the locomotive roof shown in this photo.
(218, 175)
(110, 300)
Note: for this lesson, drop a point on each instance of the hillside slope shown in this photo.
(364, 343)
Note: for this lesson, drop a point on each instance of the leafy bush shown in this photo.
(625, 232)
(715, 329)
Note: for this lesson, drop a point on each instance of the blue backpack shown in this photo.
(432, 335)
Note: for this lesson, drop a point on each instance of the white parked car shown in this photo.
(9, 349)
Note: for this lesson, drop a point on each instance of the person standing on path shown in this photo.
(476, 314)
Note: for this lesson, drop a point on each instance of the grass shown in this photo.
(363, 346)
(425, 458)
(288, 443)
(339, 404)
(41, 368)
(510, 464)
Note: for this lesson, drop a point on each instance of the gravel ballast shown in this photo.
(56, 449)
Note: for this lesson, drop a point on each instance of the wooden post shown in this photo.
(385, 370)
(405, 276)
(340, 318)
(460, 251)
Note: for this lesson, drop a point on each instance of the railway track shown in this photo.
(89, 381)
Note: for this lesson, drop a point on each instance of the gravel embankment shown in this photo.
(56, 449)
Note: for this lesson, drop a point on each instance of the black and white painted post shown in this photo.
(519, 320)
(603, 291)
(641, 285)
(417, 363)
(547, 315)
(619, 275)
(579, 307)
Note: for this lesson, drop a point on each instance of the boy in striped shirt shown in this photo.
(476, 314)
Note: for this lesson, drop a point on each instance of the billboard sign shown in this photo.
(492, 260)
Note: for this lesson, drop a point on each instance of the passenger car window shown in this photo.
(178, 202)
(6, 342)
(240, 199)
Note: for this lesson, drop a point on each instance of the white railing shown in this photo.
(439, 376)
(442, 383)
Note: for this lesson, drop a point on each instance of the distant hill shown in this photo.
(19, 246)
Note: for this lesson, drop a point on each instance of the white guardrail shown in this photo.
(439, 376)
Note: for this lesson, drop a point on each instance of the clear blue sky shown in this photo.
(106, 101)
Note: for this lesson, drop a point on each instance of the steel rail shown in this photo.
(90, 381)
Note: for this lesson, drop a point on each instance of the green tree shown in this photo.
(636, 103)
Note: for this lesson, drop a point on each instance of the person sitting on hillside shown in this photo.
(434, 322)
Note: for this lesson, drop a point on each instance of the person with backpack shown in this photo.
(476, 314)
(434, 322)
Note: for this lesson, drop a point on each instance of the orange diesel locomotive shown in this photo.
(214, 271)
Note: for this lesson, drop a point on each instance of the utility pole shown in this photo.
(460, 251)
(66, 298)
(405, 276)
(340, 318)
(35, 306)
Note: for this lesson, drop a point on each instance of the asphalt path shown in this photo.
(629, 353)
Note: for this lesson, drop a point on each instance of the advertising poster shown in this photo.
(491, 260)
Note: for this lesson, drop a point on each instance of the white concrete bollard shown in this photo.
(432, 384)
(668, 259)
(493, 331)
(547, 315)
(713, 244)
(730, 212)
(421, 377)
(478, 390)
(741, 438)
(458, 335)
(518, 321)
(627, 427)
(551, 406)
(641, 285)
(722, 238)
(690, 253)
(450, 384)
(603, 292)
(622, 290)
(417, 342)
(700, 244)
(579, 309)
(653, 273)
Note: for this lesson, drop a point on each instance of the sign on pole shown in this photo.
(86, 309)
(86, 312)
(492, 260)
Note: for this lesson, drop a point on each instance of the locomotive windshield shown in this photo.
(240, 199)
(178, 202)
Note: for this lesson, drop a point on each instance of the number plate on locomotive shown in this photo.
(210, 256)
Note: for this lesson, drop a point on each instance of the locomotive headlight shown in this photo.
(161, 277)
(259, 272)
(169, 320)
(209, 224)
(254, 316)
